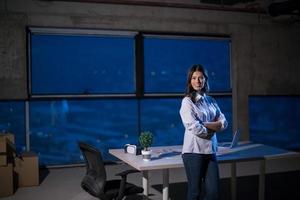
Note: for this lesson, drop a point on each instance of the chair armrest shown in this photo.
(123, 182)
(125, 173)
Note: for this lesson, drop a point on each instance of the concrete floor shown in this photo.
(64, 184)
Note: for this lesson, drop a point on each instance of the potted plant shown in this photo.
(146, 139)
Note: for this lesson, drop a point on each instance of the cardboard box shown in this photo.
(6, 139)
(9, 136)
(27, 169)
(3, 159)
(3, 142)
(6, 180)
(7, 150)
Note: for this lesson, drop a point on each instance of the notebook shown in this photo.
(225, 148)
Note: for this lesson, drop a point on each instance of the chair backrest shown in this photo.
(95, 178)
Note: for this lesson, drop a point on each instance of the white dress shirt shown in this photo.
(196, 136)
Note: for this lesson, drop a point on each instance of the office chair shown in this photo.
(94, 181)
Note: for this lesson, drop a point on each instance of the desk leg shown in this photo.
(233, 180)
(165, 184)
(146, 183)
(262, 170)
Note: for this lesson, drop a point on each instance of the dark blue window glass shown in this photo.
(161, 116)
(167, 60)
(56, 126)
(275, 121)
(64, 64)
(12, 120)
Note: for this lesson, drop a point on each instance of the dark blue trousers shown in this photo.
(203, 176)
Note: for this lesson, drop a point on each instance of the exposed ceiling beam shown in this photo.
(251, 9)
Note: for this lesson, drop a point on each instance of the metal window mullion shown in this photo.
(82, 32)
(27, 126)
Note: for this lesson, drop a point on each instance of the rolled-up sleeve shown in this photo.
(223, 121)
(190, 121)
(221, 116)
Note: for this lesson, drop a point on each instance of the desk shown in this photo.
(168, 157)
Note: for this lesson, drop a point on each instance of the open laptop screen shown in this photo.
(234, 142)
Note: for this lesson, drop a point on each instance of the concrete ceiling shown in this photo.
(273, 7)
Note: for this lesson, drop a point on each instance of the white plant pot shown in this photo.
(146, 155)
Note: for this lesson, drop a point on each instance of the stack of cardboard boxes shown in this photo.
(16, 170)
(7, 153)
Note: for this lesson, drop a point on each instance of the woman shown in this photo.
(202, 118)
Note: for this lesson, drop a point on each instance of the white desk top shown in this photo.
(166, 157)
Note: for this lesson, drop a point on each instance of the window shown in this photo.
(161, 116)
(86, 85)
(166, 62)
(12, 119)
(273, 121)
(167, 59)
(82, 64)
(57, 125)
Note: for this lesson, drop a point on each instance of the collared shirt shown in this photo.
(197, 139)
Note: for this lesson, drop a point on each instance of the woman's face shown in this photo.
(197, 81)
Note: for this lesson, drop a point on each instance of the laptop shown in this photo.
(225, 148)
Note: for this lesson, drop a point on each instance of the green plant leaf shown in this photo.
(146, 139)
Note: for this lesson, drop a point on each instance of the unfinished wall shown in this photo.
(265, 51)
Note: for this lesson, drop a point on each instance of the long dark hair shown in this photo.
(189, 91)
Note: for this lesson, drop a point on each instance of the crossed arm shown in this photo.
(219, 124)
(214, 126)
